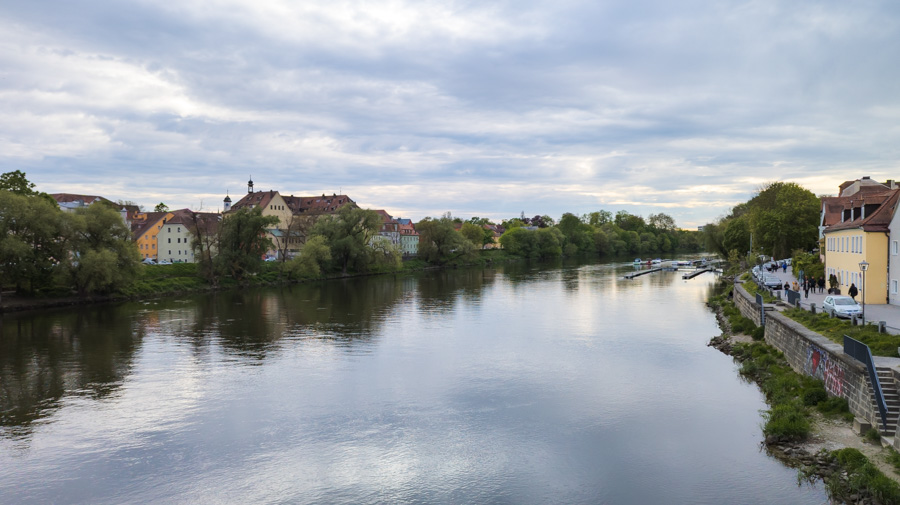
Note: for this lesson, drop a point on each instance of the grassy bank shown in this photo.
(881, 344)
(793, 397)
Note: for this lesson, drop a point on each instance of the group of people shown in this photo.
(807, 284)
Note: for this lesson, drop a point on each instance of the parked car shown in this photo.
(841, 306)
(164, 262)
(149, 261)
(772, 282)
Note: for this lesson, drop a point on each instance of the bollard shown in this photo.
(853, 320)
(882, 326)
(812, 308)
(797, 302)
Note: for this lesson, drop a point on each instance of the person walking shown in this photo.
(786, 286)
(806, 287)
(821, 285)
(853, 292)
(784, 267)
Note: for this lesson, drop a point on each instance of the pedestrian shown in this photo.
(806, 287)
(784, 267)
(786, 286)
(821, 284)
(795, 286)
(853, 292)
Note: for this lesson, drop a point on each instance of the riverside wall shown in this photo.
(812, 354)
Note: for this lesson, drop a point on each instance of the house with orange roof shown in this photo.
(860, 234)
(177, 235)
(145, 227)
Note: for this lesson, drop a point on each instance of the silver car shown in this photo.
(841, 306)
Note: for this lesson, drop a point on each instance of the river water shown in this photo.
(523, 384)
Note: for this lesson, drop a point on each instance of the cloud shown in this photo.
(426, 107)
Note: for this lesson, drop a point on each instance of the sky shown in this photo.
(477, 108)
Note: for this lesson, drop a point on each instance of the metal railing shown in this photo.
(861, 352)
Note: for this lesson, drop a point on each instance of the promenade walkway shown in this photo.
(890, 314)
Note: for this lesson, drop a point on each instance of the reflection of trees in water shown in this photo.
(439, 291)
(45, 356)
(252, 323)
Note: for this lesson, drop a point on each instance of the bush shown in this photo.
(758, 333)
(812, 397)
(786, 421)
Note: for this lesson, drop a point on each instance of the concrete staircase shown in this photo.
(891, 398)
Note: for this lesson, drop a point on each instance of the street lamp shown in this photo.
(864, 265)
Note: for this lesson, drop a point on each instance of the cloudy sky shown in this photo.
(474, 107)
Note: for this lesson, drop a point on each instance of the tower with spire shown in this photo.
(250, 185)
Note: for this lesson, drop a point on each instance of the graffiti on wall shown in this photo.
(820, 365)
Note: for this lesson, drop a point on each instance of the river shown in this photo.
(524, 384)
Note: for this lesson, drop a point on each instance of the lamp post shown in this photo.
(864, 265)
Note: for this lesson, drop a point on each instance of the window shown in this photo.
(169, 229)
(153, 246)
(895, 247)
(170, 251)
(170, 240)
(894, 286)
(178, 239)
(178, 229)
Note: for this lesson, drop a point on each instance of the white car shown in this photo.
(164, 262)
(841, 306)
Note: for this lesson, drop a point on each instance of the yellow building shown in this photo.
(862, 235)
(145, 226)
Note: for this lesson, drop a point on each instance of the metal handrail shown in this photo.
(861, 352)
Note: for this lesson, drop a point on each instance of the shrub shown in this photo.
(786, 421)
(812, 397)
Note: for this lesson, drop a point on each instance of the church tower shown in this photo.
(250, 185)
(227, 202)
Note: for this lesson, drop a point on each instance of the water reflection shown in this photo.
(43, 357)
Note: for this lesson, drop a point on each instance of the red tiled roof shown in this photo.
(257, 199)
(878, 221)
(317, 204)
(69, 197)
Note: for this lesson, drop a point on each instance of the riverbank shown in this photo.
(854, 468)
(161, 281)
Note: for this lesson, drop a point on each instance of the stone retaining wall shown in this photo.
(812, 354)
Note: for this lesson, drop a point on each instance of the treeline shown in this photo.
(599, 234)
(782, 218)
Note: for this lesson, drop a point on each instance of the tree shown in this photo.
(783, 217)
(349, 234)
(17, 183)
(661, 221)
(104, 258)
(31, 243)
(475, 233)
(313, 255)
(161, 207)
(439, 241)
(599, 218)
(242, 242)
(629, 222)
(736, 235)
(204, 242)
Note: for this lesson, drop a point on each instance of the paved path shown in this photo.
(890, 314)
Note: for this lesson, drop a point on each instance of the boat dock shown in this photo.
(642, 272)
(697, 272)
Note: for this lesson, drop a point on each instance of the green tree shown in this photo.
(599, 218)
(104, 258)
(736, 235)
(661, 221)
(161, 207)
(17, 183)
(242, 242)
(784, 216)
(314, 254)
(349, 234)
(439, 241)
(629, 222)
(31, 240)
(477, 234)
